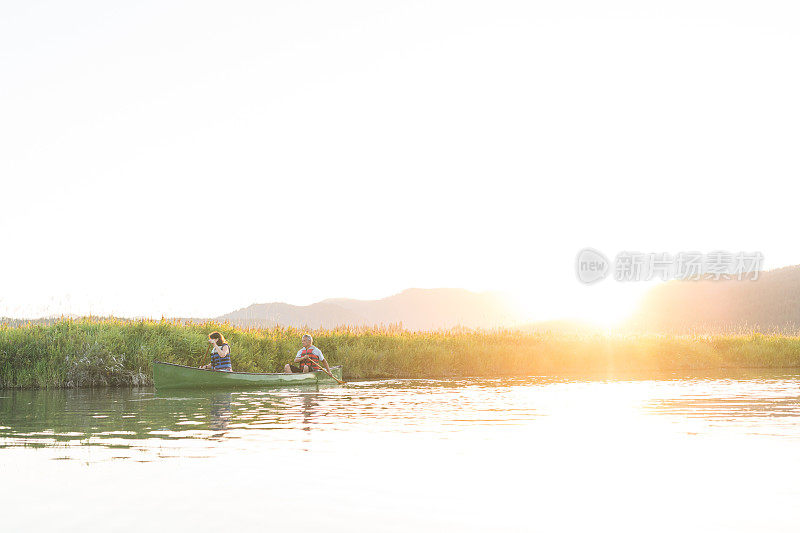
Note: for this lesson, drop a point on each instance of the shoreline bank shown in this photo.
(109, 352)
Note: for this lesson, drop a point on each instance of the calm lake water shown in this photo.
(690, 453)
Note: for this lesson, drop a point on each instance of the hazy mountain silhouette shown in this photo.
(415, 309)
(771, 303)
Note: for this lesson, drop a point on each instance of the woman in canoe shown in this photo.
(220, 353)
(308, 358)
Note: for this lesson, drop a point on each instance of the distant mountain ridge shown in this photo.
(414, 309)
(770, 303)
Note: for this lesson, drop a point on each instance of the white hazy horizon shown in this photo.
(191, 158)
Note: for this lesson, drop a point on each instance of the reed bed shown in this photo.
(112, 352)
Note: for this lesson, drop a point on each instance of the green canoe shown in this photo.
(170, 376)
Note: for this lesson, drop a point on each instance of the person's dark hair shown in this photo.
(218, 338)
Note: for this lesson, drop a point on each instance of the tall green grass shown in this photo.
(111, 352)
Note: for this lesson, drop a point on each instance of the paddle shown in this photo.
(208, 349)
(339, 381)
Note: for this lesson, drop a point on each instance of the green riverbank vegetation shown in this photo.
(112, 352)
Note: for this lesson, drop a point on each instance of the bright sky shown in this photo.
(190, 158)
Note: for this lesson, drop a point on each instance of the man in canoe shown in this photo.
(308, 358)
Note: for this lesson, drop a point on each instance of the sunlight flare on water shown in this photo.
(503, 454)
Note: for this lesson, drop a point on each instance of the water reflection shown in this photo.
(220, 413)
(547, 454)
(198, 424)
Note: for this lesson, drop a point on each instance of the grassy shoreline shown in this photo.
(110, 352)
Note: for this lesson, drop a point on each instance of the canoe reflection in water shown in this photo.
(220, 412)
(210, 411)
(308, 410)
(213, 414)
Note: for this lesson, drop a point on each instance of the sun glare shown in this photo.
(607, 305)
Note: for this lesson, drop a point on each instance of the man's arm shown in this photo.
(322, 360)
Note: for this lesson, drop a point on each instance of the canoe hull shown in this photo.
(171, 376)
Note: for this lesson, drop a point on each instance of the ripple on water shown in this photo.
(150, 421)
